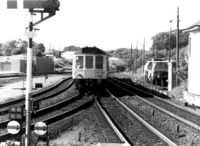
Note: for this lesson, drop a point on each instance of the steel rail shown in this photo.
(164, 138)
(35, 94)
(161, 109)
(45, 110)
(53, 119)
(5, 111)
(121, 137)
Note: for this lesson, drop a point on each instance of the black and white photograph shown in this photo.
(99, 73)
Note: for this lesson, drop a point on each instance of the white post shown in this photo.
(29, 85)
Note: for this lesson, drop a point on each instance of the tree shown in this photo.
(71, 48)
(15, 47)
(39, 49)
(16, 51)
(24, 46)
(110, 53)
(161, 40)
(6, 50)
(1, 54)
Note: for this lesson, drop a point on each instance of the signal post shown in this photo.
(47, 6)
(29, 81)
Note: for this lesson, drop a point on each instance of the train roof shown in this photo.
(90, 50)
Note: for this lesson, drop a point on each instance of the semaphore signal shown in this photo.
(45, 6)
(12, 4)
(34, 4)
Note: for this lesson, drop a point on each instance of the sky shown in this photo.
(106, 24)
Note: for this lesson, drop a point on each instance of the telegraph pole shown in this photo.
(136, 57)
(177, 47)
(131, 52)
(141, 68)
(170, 44)
(156, 47)
(59, 52)
(134, 61)
(50, 48)
(131, 60)
(143, 54)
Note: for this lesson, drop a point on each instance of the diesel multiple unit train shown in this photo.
(89, 69)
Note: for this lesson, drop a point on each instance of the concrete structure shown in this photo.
(193, 94)
(171, 75)
(17, 63)
(68, 55)
(12, 64)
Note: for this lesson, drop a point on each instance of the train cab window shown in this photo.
(89, 62)
(79, 62)
(99, 62)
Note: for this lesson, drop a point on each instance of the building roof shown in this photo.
(192, 27)
(18, 57)
(13, 57)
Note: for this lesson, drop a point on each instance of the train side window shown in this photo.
(99, 62)
(79, 62)
(89, 62)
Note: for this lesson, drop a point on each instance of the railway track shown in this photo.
(49, 115)
(37, 93)
(141, 81)
(71, 106)
(43, 94)
(56, 107)
(178, 120)
(64, 85)
(134, 128)
(183, 112)
(109, 130)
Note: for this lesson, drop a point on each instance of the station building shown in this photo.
(17, 64)
(192, 95)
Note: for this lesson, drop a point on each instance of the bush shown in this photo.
(182, 73)
(182, 70)
(177, 92)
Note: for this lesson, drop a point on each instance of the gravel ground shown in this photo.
(185, 136)
(13, 89)
(79, 130)
(131, 127)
